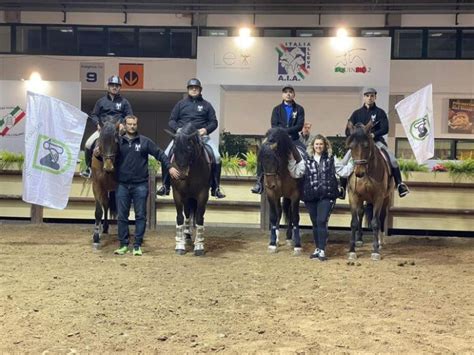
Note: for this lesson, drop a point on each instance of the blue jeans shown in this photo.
(124, 195)
(319, 212)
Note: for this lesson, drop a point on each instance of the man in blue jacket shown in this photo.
(200, 112)
(112, 104)
(289, 116)
(132, 178)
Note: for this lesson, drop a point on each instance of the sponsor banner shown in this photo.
(416, 116)
(92, 75)
(132, 75)
(297, 61)
(461, 116)
(54, 131)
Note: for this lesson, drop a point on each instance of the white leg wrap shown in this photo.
(199, 240)
(278, 236)
(180, 242)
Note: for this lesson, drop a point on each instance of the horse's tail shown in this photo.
(112, 205)
(287, 210)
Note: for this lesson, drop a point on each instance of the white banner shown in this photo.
(416, 115)
(53, 135)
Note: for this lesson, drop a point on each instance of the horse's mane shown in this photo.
(283, 141)
(185, 133)
(109, 129)
(358, 134)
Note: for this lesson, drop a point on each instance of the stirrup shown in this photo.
(257, 189)
(86, 174)
(163, 191)
(217, 193)
(403, 189)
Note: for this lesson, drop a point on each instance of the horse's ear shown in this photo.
(368, 127)
(170, 133)
(273, 146)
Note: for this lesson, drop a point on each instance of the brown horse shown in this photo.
(273, 156)
(191, 191)
(370, 182)
(103, 177)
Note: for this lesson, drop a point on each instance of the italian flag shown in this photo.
(10, 120)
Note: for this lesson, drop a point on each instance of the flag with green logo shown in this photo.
(416, 116)
(53, 134)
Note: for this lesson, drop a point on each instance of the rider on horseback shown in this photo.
(200, 112)
(289, 116)
(112, 104)
(371, 112)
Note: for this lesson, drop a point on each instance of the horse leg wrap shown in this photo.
(199, 241)
(296, 237)
(180, 242)
(274, 235)
(187, 226)
(96, 236)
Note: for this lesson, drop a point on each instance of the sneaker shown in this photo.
(86, 174)
(257, 189)
(322, 256)
(403, 190)
(137, 251)
(122, 250)
(315, 255)
(217, 193)
(163, 190)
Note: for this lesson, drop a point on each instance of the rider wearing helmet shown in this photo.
(200, 112)
(112, 104)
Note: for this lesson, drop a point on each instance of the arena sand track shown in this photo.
(57, 296)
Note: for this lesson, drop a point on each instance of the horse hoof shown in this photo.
(180, 251)
(199, 252)
(297, 251)
(289, 242)
(352, 256)
(95, 246)
(375, 256)
(359, 243)
(272, 248)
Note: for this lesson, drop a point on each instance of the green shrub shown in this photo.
(338, 144)
(230, 164)
(9, 159)
(251, 159)
(460, 168)
(154, 166)
(408, 165)
(232, 144)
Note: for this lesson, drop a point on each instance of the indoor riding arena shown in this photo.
(244, 280)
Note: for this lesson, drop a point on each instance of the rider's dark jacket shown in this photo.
(378, 118)
(195, 110)
(319, 180)
(132, 159)
(292, 127)
(106, 106)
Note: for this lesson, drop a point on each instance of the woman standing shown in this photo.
(320, 190)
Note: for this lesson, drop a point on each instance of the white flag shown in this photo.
(416, 115)
(53, 135)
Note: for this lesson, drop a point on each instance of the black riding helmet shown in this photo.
(194, 82)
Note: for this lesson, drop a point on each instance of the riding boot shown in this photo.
(258, 188)
(165, 188)
(401, 186)
(342, 188)
(216, 181)
(86, 173)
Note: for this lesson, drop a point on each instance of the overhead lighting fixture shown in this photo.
(245, 39)
(342, 41)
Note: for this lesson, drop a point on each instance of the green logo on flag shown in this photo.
(420, 129)
(51, 155)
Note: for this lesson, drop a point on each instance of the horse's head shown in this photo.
(108, 146)
(187, 147)
(362, 146)
(274, 154)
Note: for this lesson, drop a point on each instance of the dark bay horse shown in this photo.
(191, 191)
(273, 156)
(370, 182)
(103, 177)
